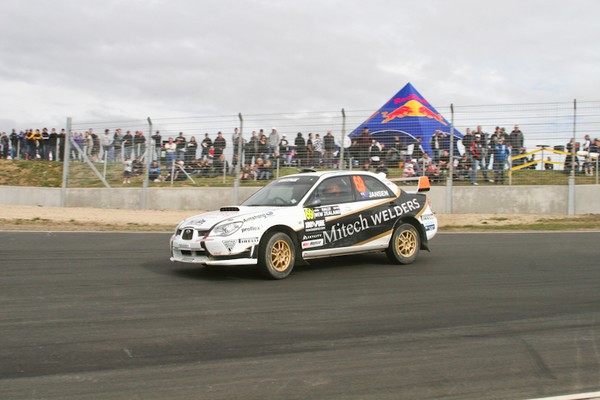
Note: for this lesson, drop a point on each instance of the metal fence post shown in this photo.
(341, 163)
(449, 179)
(236, 179)
(149, 146)
(571, 196)
(66, 157)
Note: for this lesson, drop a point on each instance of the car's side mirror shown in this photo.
(312, 203)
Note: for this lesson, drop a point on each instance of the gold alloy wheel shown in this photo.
(406, 243)
(281, 255)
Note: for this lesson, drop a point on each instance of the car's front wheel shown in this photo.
(276, 255)
(404, 245)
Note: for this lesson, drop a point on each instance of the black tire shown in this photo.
(276, 255)
(404, 245)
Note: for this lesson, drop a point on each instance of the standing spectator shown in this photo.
(206, 144)
(284, 150)
(157, 139)
(467, 140)
(180, 142)
(401, 147)
(139, 144)
(62, 137)
(263, 147)
(191, 148)
(505, 136)
(117, 145)
(220, 144)
(251, 149)
(318, 149)
(53, 145)
(587, 161)
(484, 138)
(417, 152)
(571, 160)
(95, 146)
(477, 161)
(516, 140)
(36, 144)
(4, 145)
(237, 141)
(170, 150)
(501, 155)
(585, 146)
(25, 144)
(273, 141)
(127, 145)
(300, 148)
(77, 151)
(88, 143)
(14, 144)
(363, 144)
(436, 145)
(106, 141)
(329, 147)
(492, 144)
(44, 149)
(310, 150)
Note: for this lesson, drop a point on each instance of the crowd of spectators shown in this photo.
(180, 158)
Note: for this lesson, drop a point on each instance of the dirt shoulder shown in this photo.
(94, 219)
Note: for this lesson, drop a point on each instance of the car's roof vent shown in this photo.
(229, 208)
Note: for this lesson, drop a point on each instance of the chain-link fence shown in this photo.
(557, 141)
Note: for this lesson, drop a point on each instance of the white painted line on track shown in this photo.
(578, 396)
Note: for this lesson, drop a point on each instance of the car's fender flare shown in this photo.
(292, 234)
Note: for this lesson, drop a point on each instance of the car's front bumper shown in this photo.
(211, 251)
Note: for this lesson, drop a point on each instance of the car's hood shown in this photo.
(234, 213)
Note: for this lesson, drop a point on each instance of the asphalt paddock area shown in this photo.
(108, 316)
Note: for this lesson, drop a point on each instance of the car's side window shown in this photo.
(369, 188)
(333, 191)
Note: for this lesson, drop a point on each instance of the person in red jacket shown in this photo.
(477, 160)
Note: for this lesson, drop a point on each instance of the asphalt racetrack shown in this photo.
(482, 316)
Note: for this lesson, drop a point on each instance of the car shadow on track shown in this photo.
(330, 266)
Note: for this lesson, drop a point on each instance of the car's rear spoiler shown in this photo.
(423, 182)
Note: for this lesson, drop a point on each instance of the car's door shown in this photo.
(343, 221)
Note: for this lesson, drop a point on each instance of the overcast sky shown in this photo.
(115, 60)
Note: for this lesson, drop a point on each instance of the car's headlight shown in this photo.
(226, 229)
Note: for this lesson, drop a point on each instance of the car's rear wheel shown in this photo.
(276, 255)
(404, 245)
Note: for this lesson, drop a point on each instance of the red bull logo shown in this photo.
(412, 108)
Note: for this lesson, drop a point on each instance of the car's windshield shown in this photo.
(287, 191)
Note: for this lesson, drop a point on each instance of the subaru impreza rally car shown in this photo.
(310, 215)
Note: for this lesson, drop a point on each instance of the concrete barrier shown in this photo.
(536, 199)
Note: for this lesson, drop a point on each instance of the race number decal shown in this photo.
(309, 213)
(359, 183)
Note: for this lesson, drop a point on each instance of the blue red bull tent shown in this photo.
(407, 115)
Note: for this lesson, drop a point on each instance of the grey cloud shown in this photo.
(115, 58)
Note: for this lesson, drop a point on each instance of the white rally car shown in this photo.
(310, 215)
